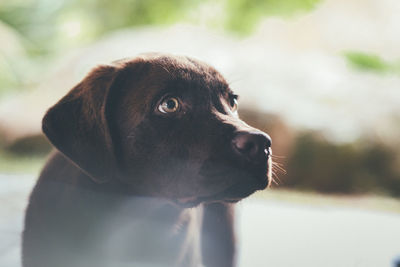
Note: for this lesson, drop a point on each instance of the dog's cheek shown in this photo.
(156, 162)
(164, 157)
(136, 152)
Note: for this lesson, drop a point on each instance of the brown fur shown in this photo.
(129, 186)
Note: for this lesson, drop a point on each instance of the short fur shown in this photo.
(131, 186)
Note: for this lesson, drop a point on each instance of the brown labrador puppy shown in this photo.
(151, 154)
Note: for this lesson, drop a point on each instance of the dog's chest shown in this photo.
(144, 231)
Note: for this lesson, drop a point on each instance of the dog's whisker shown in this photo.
(273, 180)
(279, 168)
(277, 159)
(276, 178)
(276, 156)
(281, 171)
(277, 163)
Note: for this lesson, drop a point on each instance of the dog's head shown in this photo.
(164, 126)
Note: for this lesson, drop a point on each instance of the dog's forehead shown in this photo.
(165, 68)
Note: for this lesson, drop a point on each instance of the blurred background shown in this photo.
(322, 77)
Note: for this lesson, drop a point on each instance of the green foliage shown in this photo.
(367, 61)
(46, 28)
(24, 155)
(243, 15)
(8, 78)
(11, 163)
(34, 145)
(371, 62)
(316, 164)
(40, 21)
(120, 14)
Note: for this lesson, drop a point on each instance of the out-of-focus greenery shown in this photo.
(43, 21)
(25, 155)
(371, 62)
(48, 24)
(17, 163)
(33, 145)
(45, 29)
(244, 14)
(360, 167)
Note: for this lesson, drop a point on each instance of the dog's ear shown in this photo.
(77, 124)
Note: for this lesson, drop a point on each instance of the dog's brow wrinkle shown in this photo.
(233, 120)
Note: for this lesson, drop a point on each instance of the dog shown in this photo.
(150, 159)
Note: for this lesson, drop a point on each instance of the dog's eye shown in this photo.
(169, 105)
(234, 103)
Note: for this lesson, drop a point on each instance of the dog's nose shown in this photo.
(251, 144)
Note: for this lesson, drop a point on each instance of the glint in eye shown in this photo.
(169, 105)
(234, 103)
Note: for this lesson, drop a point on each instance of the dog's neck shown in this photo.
(116, 217)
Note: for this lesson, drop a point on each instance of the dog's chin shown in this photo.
(239, 191)
(231, 194)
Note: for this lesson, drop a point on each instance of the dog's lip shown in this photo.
(237, 191)
(223, 196)
(260, 182)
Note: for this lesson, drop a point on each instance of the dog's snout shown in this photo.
(251, 144)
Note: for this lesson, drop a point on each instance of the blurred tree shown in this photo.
(40, 21)
(46, 28)
(317, 164)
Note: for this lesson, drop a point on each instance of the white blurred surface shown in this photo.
(271, 233)
(282, 234)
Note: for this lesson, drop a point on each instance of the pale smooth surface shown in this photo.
(284, 234)
(271, 232)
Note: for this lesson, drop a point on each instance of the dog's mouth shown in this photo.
(232, 194)
(247, 185)
(237, 192)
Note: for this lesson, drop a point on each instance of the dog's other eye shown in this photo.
(169, 105)
(234, 103)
